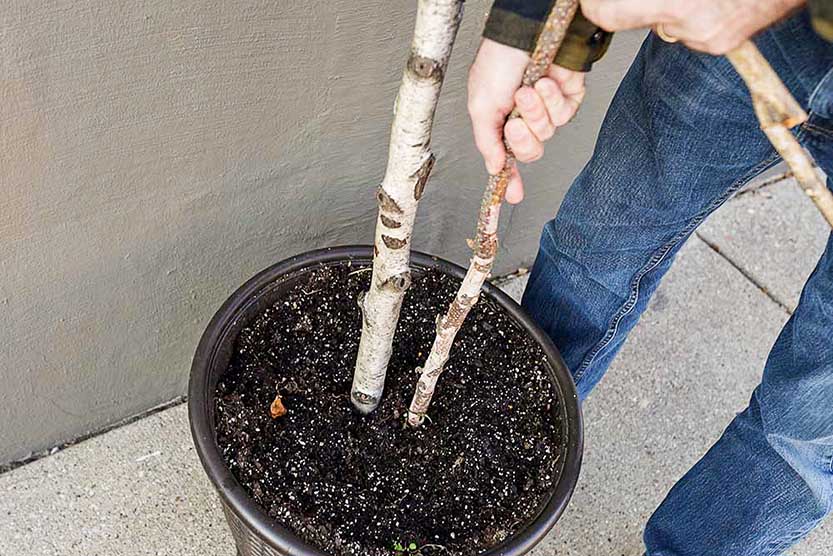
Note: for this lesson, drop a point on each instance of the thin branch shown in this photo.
(484, 246)
(777, 112)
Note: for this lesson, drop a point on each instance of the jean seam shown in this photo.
(816, 129)
(660, 255)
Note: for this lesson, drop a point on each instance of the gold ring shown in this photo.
(660, 31)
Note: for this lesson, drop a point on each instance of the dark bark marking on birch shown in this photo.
(386, 202)
(422, 176)
(399, 282)
(425, 68)
(487, 247)
(360, 302)
(393, 242)
(390, 222)
(457, 313)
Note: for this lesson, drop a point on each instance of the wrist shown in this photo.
(509, 55)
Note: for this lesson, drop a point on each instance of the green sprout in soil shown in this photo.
(401, 550)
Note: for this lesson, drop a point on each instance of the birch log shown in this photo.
(409, 164)
(777, 112)
(484, 246)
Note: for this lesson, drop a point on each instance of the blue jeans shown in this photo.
(679, 139)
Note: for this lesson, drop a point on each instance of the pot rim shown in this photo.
(200, 400)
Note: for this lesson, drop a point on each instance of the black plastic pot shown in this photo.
(257, 534)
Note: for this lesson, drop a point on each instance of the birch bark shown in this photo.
(409, 165)
(484, 245)
(777, 112)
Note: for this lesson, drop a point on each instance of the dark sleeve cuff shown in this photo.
(822, 13)
(512, 29)
(516, 23)
(584, 45)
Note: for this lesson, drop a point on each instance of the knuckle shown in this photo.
(533, 117)
(515, 129)
(529, 152)
(518, 142)
(541, 127)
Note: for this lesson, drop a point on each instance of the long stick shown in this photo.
(777, 112)
(409, 164)
(484, 245)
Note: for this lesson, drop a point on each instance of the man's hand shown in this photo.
(494, 81)
(713, 26)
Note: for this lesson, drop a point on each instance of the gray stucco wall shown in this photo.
(155, 154)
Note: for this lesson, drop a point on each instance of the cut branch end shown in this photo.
(364, 403)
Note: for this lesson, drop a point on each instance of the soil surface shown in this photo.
(479, 470)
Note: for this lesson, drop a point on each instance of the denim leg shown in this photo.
(679, 138)
(741, 499)
(769, 479)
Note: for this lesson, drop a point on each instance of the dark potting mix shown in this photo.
(472, 475)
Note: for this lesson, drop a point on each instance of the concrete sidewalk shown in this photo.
(691, 363)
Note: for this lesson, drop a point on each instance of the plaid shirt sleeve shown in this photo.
(517, 23)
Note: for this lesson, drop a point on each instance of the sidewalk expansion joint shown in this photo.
(6, 467)
(758, 187)
(746, 274)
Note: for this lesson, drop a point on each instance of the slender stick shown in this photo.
(484, 245)
(409, 164)
(777, 112)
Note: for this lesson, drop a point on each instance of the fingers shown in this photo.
(556, 102)
(524, 144)
(550, 104)
(534, 112)
(570, 82)
(515, 189)
(710, 33)
(557, 106)
(494, 77)
(617, 15)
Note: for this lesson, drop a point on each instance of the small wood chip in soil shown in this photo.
(277, 408)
